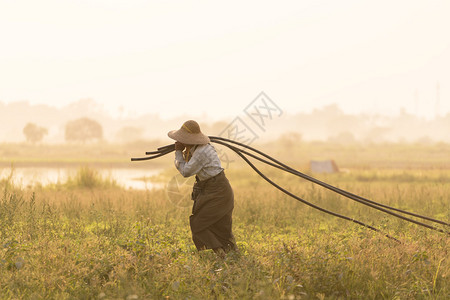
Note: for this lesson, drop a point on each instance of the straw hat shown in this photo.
(189, 134)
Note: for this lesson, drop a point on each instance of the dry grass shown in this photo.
(91, 241)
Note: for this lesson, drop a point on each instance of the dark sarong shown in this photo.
(211, 214)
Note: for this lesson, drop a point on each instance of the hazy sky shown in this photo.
(214, 57)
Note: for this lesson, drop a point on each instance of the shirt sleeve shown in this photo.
(192, 167)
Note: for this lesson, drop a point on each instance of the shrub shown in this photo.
(89, 178)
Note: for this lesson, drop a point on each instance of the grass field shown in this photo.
(88, 238)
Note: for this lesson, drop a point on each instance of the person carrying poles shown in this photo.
(211, 218)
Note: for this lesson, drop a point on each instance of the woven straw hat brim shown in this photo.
(188, 138)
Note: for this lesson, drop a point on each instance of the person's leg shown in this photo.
(220, 252)
(222, 230)
(206, 239)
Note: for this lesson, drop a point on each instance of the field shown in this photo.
(89, 238)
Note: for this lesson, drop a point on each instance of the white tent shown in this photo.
(323, 166)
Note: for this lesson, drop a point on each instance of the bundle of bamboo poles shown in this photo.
(245, 151)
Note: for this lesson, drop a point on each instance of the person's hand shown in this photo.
(179, 146)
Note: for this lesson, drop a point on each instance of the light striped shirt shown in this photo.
(204, 163)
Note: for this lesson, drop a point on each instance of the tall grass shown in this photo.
(87, 177)
(88, 241)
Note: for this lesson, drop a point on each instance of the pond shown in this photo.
(129, 178)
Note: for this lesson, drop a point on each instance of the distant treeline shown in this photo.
(22, 122)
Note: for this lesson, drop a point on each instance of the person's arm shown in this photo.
(192, 167)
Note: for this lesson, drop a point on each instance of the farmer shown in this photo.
(213, 197)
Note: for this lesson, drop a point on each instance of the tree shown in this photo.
(34, 133)
(82, 130)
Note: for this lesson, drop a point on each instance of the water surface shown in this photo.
(129, 178)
